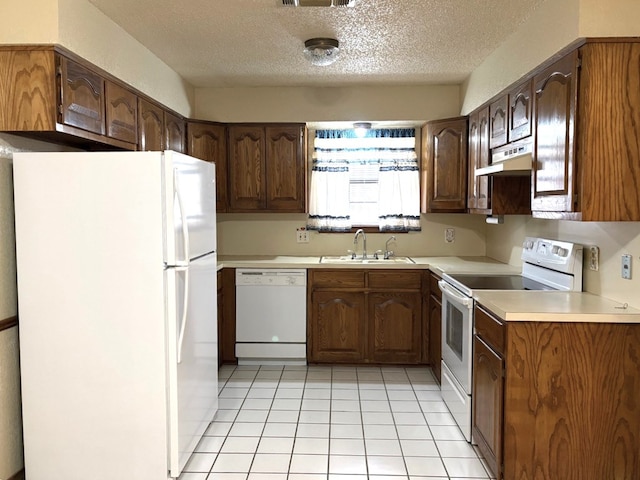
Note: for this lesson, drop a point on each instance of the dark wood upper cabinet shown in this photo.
(82, 102)
(498, 122)
(521, 110)
(267, 168)
(478, 199)
(556, 90)
(247, 183)
(122, 113)
(587, 147)
(444, 166)
(285, 168)
(208, 141)
(151, 136)
(174, 133)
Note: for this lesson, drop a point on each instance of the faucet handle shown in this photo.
(388, 254)
(375, 254)
(352, 253)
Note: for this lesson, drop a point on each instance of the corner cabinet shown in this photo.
(208, 141)
(267, 168)
(365, 316)
(587, 147)
(555, 398)
(444, 166)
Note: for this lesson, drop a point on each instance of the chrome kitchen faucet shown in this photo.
(364, 242)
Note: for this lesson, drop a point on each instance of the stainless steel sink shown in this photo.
(346, 259)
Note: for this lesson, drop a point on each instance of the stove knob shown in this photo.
(555, 249)
(562, 252)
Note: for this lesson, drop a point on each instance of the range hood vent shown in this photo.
(318, 3)
(510, 160)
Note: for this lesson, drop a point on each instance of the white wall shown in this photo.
(612, 238)
(83, 29)
(275, 234)
(306, 104)
(550, 28)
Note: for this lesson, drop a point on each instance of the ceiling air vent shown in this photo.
(318, 3)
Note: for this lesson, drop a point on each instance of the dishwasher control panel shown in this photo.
(271, 276)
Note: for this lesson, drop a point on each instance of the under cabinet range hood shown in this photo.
(318, 3)
(513, 159)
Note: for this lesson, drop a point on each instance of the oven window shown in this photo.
(453, 329)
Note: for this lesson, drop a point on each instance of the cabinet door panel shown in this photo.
(498, 122)
(151, 126)
(396, 323)
(520, 110)
(478, 187)
(444, 181)
(555, 109)
(285, 168)
(488, 398)
(174, 133)
(338, 327)
(82, 102)
(122, 113)
(246, 168)
(209, 142)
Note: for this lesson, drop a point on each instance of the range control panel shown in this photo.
(557, 255)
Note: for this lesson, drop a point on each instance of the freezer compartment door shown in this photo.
(189, 208)
(192, 345)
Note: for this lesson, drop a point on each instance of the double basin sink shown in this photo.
(347, 259)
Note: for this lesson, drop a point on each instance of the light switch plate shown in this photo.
(302, 235)
(626, 266)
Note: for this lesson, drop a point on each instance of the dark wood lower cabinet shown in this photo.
(338, 327)
(488, 388)
(567, 406)
(365, 316)
(395, 320)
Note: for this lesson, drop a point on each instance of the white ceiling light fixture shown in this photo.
(361, 128)
(321, 51)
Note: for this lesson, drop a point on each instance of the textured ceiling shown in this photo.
(215, 43)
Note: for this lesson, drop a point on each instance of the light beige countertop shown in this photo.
(438, 265)
(546, 306)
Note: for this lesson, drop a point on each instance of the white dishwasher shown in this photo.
(271, 316)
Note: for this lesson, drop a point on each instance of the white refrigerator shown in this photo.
(116, 259)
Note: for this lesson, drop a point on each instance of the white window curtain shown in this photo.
(367, 180)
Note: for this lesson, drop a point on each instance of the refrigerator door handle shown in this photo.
(183, 219)
(185, 311)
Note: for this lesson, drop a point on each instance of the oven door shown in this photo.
(457, 333)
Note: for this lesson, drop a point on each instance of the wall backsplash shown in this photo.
(275, 234)
(613, 238)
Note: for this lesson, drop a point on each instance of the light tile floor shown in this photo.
(331, 423)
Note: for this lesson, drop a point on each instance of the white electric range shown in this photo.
(547, 265)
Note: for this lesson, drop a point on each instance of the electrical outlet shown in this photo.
(450, 235)
(302, 235)
(594, 258)
(626, 266)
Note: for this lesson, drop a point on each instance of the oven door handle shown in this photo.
(449, 291)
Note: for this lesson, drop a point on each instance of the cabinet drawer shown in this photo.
(395, 279)
(490, 329)
(337, 278)
(434, 289)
